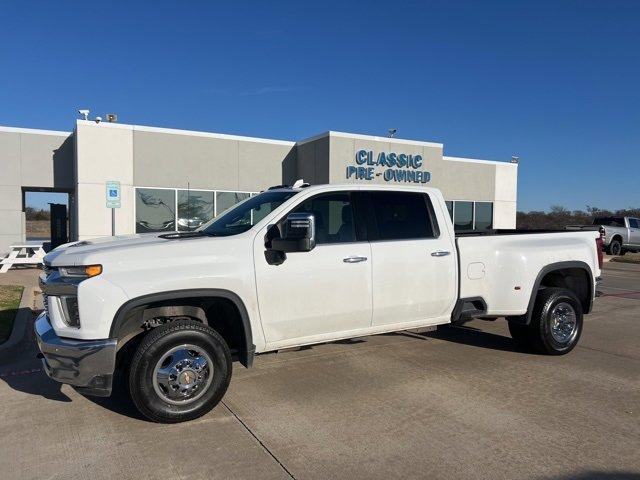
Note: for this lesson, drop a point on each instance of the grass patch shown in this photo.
(10, 296)
(627, 258)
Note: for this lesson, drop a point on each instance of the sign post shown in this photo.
(113, 202)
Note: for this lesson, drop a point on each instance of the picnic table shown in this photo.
(27, 254)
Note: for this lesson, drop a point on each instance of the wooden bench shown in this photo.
(22, 255)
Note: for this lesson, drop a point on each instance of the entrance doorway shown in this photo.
(46, 217)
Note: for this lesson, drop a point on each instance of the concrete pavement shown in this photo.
(457, 403)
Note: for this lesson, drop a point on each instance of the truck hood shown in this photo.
(74, 253)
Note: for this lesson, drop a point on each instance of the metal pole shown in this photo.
(113, 222)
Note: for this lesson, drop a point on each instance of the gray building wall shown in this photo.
(325, 158)
(207, 162)
(165, 158)
(312, 161)
(35, 160)
(139, 156)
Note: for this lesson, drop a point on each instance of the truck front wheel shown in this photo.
(556, 323)
(179, 372)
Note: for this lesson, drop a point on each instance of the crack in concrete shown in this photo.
(286, 470)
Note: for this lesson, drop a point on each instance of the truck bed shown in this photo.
(501, 267)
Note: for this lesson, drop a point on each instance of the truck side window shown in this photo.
(403, 215)
(633, 223)
(334, 217)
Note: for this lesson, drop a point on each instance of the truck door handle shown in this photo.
(440, 253)
(354, 259)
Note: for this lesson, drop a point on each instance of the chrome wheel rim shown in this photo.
(183, 374)
(564, 324)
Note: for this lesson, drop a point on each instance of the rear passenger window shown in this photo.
(403, 215)
(633, 223)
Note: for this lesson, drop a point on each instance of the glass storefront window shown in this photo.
(155, 210)
(195, 208)
(463, 218)
(226, 200)
(484, 215)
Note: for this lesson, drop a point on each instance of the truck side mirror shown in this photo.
(299, 234)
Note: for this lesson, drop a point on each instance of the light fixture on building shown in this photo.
(515, 159)
(392, 132)
(112, 118)
(84, 113)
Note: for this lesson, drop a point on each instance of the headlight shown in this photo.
(87, 271)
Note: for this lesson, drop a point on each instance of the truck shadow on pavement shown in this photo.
(467, 335)
(119, 402)
(25, 375)
(23, 371)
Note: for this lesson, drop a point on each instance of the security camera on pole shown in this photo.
(113, 202)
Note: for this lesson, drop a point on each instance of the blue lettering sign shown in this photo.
(398, 167)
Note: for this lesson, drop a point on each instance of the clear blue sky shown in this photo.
(555, 82)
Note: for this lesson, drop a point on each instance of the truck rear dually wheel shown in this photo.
(180, 371)
(556, 323)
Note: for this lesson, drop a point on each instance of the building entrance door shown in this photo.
(59, 233)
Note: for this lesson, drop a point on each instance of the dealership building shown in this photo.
(176, 179)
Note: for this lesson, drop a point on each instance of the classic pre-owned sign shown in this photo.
(393, 167)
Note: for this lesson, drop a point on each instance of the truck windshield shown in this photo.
(246, 214)
(609, 221)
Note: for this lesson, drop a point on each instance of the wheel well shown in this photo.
(220, 313)
(617, 236)
(576, 280)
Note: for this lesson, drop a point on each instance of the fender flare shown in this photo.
(121, 321)
(552, 267)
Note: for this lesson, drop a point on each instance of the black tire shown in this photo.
(615, 247)
(156, 345)
(540, 331)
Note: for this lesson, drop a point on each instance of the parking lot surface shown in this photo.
(456, 403)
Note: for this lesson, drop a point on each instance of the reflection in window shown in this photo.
(450, 208)
(195, 208)
(226, 200)
(333, 216)
(155, 210)
(484, 215)
(463, 219)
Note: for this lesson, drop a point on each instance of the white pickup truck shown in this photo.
(620, 234)
(291, 267)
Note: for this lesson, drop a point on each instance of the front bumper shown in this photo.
(88, 365)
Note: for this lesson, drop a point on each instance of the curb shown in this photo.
(15, 343)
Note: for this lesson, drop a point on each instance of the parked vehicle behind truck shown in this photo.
(291, 267)
(619, 234)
